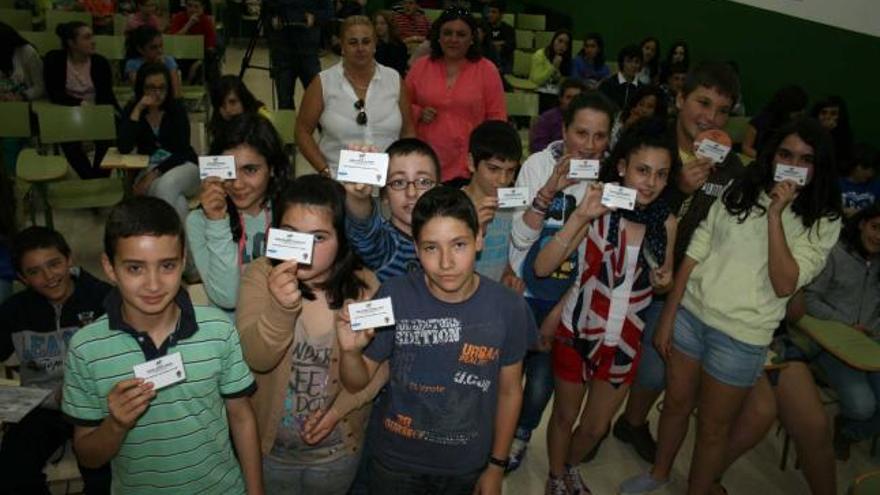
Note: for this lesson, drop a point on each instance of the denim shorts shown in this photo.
(726, 359)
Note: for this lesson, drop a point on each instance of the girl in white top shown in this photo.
(357, 102)
(21, 68)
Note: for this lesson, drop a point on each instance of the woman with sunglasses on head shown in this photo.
(357, 102)
(453, 90)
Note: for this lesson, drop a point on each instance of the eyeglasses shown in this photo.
(362, 114)
(420, 184)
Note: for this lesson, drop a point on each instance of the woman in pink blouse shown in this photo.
(452, 91)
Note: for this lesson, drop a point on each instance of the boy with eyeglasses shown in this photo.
(386, 245)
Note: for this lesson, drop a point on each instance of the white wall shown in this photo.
(862, 16)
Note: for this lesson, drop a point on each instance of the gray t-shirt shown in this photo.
(438, 415)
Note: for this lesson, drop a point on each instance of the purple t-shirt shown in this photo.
(547, 128)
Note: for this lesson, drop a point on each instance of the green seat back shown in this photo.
(61, 124)
(510, 19)
(119, 22)
(20, 20)
(285, 123)
(16, 121)
(92, 193)
(56, 17)
(432, 14)
(612, 67)
(867, 484)
(576, 47)
(522, 63)
(521, 104)
(534, 22)
(525, 40)
(543, 38)
(110, 47)
(184, 46)
(736, 128)
(43, 41)
(7, 4)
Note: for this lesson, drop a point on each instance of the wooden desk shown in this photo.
(117, 161)
(844, 342)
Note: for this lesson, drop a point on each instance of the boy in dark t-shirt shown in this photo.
(456, 361)
(37, 325)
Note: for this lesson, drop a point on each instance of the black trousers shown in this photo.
(28, 446)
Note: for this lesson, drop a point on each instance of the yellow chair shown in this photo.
(56, 17)
(522, 65)
(533, 22)
(20, 20)
(43, 41)
(525, 40)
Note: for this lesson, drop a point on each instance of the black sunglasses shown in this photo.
(362, 114)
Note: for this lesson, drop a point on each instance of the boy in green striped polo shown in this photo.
(174, 439)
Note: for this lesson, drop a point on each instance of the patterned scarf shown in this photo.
(654, 219)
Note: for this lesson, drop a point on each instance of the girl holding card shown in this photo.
(627, 254)
(286, 317)
(229, 229)
(758, 245)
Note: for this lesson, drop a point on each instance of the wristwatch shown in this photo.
(502, 463)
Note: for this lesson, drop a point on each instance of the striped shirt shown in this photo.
(385, 250)
(181, 443)
(411, 25)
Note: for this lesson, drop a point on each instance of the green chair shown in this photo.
(525, 40)
(432, 14)
(521, 104)
(16, 121)
(519, 79)
(533, 22)
(543, 38)
(576, 47)
(7, 4)
(119, 22)
(62, 124)
(43, 41)
(736, 128)
(93, 193)
(612, 67)
(20, 20)
(184, 46)
(510, 19)
(285, 123)
(110, 47)
(56, 17)
(866, 484)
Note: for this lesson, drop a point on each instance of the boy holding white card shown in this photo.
(127, 421)
(386, 245)
(311, 431)
(448, 416)
(229, 228)
(553, 197)
(493, 159)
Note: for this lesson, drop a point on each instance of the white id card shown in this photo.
(787, 172)
(221, 166)
(583, 169)
(513, 197)
(614, 196)
(371, 314)
(362, 168)
(286, 245)
(716, 152)
(162, 372)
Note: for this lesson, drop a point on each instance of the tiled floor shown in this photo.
(756, 473)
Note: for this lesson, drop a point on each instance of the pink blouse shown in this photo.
(476, 96)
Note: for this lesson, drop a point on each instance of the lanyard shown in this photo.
(242, 241)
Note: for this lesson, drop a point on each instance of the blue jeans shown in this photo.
(294, 55)
(859, 394)
(329, 478)
(387, 481)
(538, 370)
(651, 373)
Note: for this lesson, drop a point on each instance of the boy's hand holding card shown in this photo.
(162, 372)
(713, 144)
(614, 196)
(220, 166)
(288, 245)
(513, 197)
(362, 167)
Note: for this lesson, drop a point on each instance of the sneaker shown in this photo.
(637, 436)
(840, 442)
(595, 450)
(555, 486)
(517, 454)
(574, 482)
(643, 483)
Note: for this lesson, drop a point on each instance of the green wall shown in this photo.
(771, 49)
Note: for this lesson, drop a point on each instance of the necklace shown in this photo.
(351, 80)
